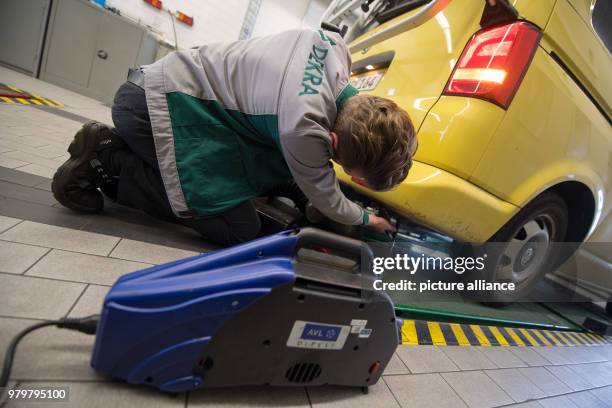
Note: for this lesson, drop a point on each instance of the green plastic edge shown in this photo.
(420, 313)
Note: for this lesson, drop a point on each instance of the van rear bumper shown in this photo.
(444, 202)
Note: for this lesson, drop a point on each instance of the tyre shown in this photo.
(521, 251)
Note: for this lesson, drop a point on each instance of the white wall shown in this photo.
(315, 11)
(279, 15)
(221, 20)
(214, 20)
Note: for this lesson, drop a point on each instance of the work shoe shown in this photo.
(75, 183)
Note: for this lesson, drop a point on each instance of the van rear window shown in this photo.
(601, 17)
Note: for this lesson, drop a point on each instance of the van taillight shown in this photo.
(493, 63)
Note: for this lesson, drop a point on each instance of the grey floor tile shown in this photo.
(8, 222)
(249, 397)
(19, 177)
(17, 258)
(570, 377)
(606, 351)
(468, 358)
(139, 226)
(477, 389)
(586, 399)
(38, 170)
(345, 397)
(62, 138)
(50, 236)
(105, 395)
(34, 141)
(115, 221)
(19, 130)
(545, 381)
(44, 185)
(78, 267)
(58, 149)
(423, 390)
(599, 374)
(23, 193)
(584, 354)
(528, 404)
(425, 359)
(32, 158)
(90, 302)
(562, 401)
(48, 353)
(552, 353)
(519, 387)
(149, 253)
(593, 354)
(604, 394)
(42, 213)
(23, 296)
(529, 356)
(11, 163)
(16, 143)
(396, 366)
(502, 357)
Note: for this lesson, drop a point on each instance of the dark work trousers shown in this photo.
(140, 185)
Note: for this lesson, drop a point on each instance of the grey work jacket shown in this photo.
(230, 120)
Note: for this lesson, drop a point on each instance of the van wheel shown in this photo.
(521, 252)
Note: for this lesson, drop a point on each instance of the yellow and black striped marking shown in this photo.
(419, 332)
(21, 97)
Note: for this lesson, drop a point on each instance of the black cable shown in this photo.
(87, 325)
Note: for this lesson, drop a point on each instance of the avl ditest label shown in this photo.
(313, 335)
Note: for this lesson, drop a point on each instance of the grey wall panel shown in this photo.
(148, 49)
(119, 43)
(72, 41)
(89, 49)
(22, 24)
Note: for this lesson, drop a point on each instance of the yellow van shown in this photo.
(512, 106)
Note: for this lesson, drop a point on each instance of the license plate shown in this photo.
(366, 82)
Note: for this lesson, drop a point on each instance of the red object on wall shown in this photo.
(184, 18)
(155, 3)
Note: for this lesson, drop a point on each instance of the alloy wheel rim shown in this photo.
(525, 254)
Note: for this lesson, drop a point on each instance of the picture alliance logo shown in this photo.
(412, 264)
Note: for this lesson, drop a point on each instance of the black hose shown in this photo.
(86, 325)
(10, 351)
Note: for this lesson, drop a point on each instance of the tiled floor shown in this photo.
(54, 263)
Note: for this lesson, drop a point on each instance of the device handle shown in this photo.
(354, 249)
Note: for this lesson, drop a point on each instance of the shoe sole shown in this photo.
(80, 149)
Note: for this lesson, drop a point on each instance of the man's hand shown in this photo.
(380, 224)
